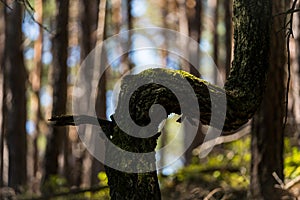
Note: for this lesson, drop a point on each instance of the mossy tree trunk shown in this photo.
(244, 91)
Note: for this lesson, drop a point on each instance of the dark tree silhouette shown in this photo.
(15, 81)
(57, 135)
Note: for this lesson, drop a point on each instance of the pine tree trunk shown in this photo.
(267, 127)
(15, 78)
(228, 35)
(194, 17)
(57, 135)
(36, 85)
(2, 96)
(89, 19)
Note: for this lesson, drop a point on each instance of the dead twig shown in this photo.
(211, 194)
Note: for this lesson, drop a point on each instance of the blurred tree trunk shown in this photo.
(130, 26)
(57, 136)
(129, 15)
(228, 35)
(296, 85)
(15, 78)
(2, 91)
(36, 84)
(165, 55)
(216, 39)
(267, 126)
(100, 106)
(89, 18)
(194, 18)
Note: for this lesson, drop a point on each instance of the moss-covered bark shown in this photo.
(243, 89)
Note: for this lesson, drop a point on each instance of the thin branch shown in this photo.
(290, 11)
(5, 4)
(274, 174)
(30, 10)
(292, 183)
(75, 120)
(214, 191)
(223, 139)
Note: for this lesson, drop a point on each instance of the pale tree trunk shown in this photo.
(296, 79)
(15, 80)
(36, 85)
(2, 92)
(228, 35)
(267, 126)
(57, 136)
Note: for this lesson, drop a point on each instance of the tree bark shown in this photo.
(57, 135)
(244, 90)
(15, 74)
(267, 126)
(2, 93)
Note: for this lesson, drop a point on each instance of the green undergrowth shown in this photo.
(226, 170)
(291, 160)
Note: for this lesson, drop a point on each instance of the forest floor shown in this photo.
(200, 189)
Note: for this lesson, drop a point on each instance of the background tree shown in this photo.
(194, 19)
(267, 126)
(57, 136)
(89, 18)
(100, 106)
(228, 35)
(36, 82)
(2, 94)
(15, 81)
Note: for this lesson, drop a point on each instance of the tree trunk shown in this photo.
(216, 39)
(228, 35)
(89, 19)
(194, 17)
(100, 106)
(36, 84)
(267, 126)
(244, 90)
(57, 135)
(15, 77)
(2, 93)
